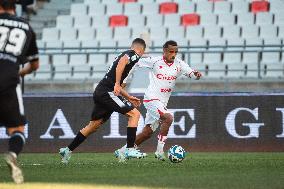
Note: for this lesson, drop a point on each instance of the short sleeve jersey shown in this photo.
(17, 46)
(163, 76)
(110, 76)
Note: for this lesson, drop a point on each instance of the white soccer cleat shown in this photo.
(65, 154)
(16, 172)
(120, 154)
(160, 156)
(134, 153)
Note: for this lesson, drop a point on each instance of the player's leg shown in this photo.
(99, 116)
(144, 135)
(12, 116)
(166, 120)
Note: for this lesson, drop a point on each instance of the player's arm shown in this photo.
(132, 99)
(189, 72)
(29, 68)
(118, 73)
(31, 58)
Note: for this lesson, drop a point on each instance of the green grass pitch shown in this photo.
(197, 171)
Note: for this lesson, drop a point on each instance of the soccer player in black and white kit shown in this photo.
(17, 46)
(110, 97)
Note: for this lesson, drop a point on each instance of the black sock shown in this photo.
(131, 136)
(77, 141)
(16, 142)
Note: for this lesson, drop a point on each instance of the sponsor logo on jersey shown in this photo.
(166, 77)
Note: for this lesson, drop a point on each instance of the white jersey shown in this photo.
(163, 76)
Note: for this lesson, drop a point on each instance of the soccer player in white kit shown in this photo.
(164, 70)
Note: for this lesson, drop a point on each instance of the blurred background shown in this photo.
(236, 44)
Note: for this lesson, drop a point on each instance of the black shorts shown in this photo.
(105, 103)
(12, 108)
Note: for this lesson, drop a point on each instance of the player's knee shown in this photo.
(135, 114)
(168, 119)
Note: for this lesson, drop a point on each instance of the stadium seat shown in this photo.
(278, 18)
(124, 43)
(136, 21)
(104, 33)
(250, 31)
(212, 32)
(272, 43)
(158, 33)
(276, 6)
(250, 58)
(172, 20)
(77, 59)
(53, 46)
(235, 70)
(43, 73)
(204, 7)
(96, 10)
(186, 7)
(109, 2)
(259, 6)
(254, 41)
(195, 58)
(114, 9)
(233, 31)
(63, 21)
(154, 21)
(217, 42)
(81, 72)
(232, 58)
(62, 72)
(50, 34)
(176, 33)
(107, 44)
(68, 34)
(59, 59)
(168, 8)
(82, 21)
(127, 1)
(100, 21)
(245, 19)
(132, 9)
(263, 18)
(197, 44)
(78, 9)
(226, 20)
(96, 59)
(208, 19)
(74, 44)
(273, 70)
(270, 57)
(211, 58)
(121, 33)
(238, 43)
(216, 70)
(222, 7)
(118, 20)
(268, 31)
(86, 34)
(240, 7)
(150, 9)
(90, 44)
(194, 32)
(44, 59)
(190, 19)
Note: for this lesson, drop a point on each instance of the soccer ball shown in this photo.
(176, 154)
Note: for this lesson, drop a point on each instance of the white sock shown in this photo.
(161, 143)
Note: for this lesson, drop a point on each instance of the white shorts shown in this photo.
(155, 108)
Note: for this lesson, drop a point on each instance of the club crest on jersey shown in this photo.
(166, 77)
(133, 58)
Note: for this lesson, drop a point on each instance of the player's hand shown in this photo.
(197, 75)
(116, 89)
(136, 102)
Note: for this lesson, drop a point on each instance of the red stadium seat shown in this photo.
(127, 1)
(259, 6)
(168, 8)
(118, 20)
(190, 19)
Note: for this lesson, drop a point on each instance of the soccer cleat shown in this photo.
(16, 172)
(134, 153)
(65, 154)
(160, 156)
(120, 155)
